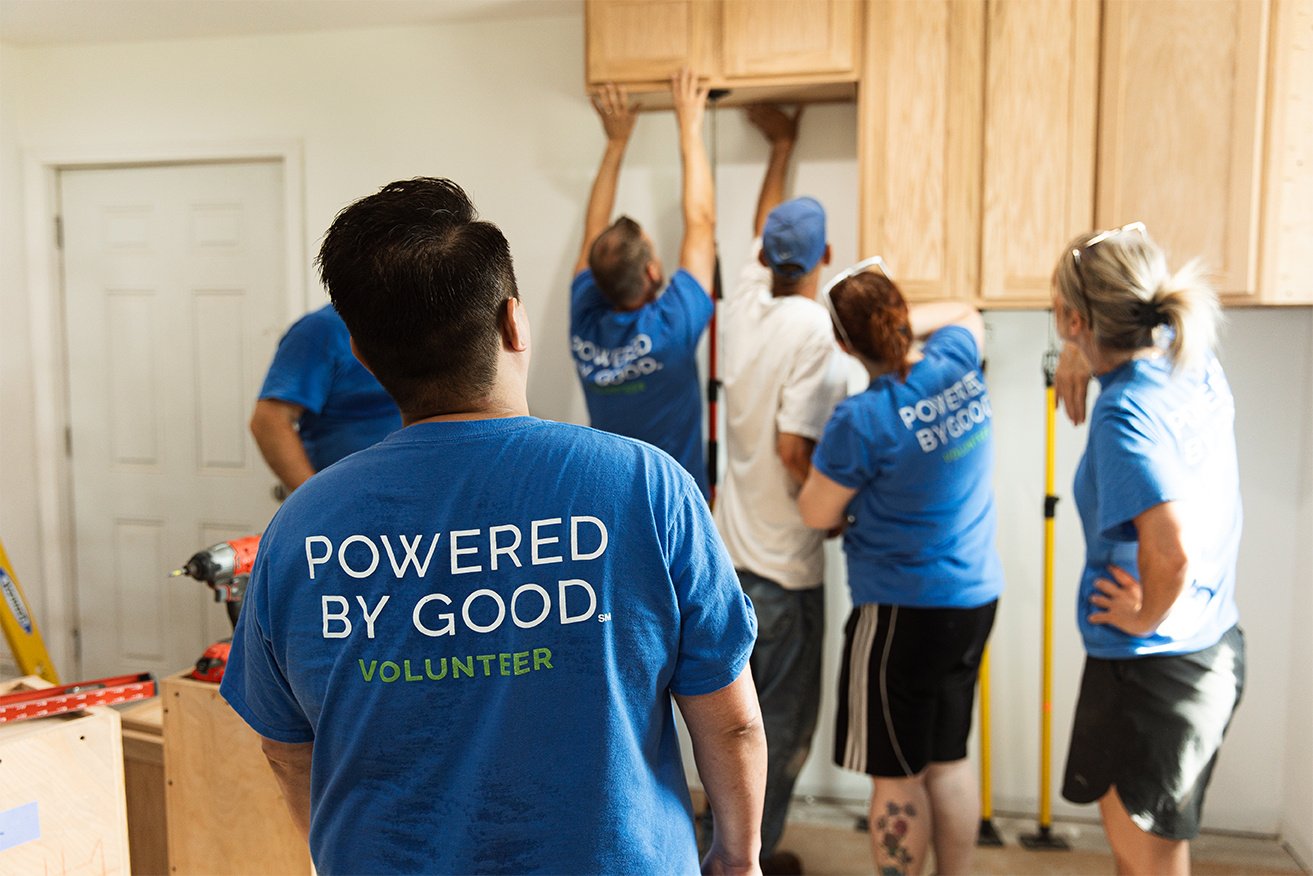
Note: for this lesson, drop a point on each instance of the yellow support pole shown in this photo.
(1044, 839)
(988, 834)
(1046, 718)
(20, 626)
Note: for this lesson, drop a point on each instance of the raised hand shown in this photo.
(616, 112)
(775, 125)
(690, 98)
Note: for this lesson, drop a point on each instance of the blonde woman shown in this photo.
(1159, 500)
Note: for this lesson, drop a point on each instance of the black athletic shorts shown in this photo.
(907, 686)
(1152, 726)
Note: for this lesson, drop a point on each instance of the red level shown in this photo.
(70, 697)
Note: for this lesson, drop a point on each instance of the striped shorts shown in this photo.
(907, 686)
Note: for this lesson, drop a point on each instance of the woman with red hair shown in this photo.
(907, 465)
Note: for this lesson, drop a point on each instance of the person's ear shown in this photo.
(515, 325)
(825, 257)
(761, 257)
(355, 351)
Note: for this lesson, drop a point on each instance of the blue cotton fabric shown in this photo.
(345, 407)
(639, 368)
(507, 710)
(1156, 437)
(921, 456)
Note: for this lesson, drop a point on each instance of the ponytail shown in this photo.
(1187, 305)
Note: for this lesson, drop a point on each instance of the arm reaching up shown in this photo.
(618, 116)
(782, 132)
(697, 252)
(928, 318)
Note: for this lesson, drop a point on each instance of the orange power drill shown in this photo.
(225, 568)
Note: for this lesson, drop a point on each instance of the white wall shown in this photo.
(18, 527)
(499, 107)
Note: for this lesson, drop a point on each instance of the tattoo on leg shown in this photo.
(892, 827)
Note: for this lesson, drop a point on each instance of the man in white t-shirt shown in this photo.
(783, 376)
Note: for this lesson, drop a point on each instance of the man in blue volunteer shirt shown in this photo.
(461, 644)
(634, 346)
(318, 403)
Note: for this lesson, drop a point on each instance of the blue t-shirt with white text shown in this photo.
(345, 407)
(639, 368)
(1158, 437)
(921, 456)
(480, 633)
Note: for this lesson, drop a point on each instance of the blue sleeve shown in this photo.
(584, 296)
(1136, 470)
(717, 625)
(956, 344)
(684, 308)
(254, 683)
(302, 370)
(844, 454)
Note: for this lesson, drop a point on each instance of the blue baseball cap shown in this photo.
(793, 238)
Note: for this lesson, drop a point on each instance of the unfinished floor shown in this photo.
(823, 835)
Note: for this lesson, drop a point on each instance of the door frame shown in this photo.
(57, 600)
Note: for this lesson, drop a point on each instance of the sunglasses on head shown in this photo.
(828, 301)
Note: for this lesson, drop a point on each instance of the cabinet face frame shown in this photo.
(1286, 270)
(919, 136)
(1158, 64)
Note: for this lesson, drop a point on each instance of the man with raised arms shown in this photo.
(783, 376)
(634, 345)
(461, 645)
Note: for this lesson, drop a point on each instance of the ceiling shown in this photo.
(46, 22)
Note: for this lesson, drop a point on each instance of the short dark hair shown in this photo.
(618, 259)
(420, 283)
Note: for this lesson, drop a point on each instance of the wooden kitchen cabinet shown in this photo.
(779, 50)
(919, 131)
(1181, 129)
(976, 137)
(789, 38)
(644, 41)
(1041, 108)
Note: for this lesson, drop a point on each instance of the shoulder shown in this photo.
(686, 284)
(953, 341)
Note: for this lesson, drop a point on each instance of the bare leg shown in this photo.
(1137, 851)
(955, 801)
(900, 825)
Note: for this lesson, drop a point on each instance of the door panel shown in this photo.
(174, 301)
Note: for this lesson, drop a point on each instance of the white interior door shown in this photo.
(174, 301)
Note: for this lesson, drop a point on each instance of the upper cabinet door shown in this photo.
(647, 40)
(919, 134)
(790, 37)
(1041, 79)
(1181, 128)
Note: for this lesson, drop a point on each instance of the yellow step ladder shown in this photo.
(20, 626)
